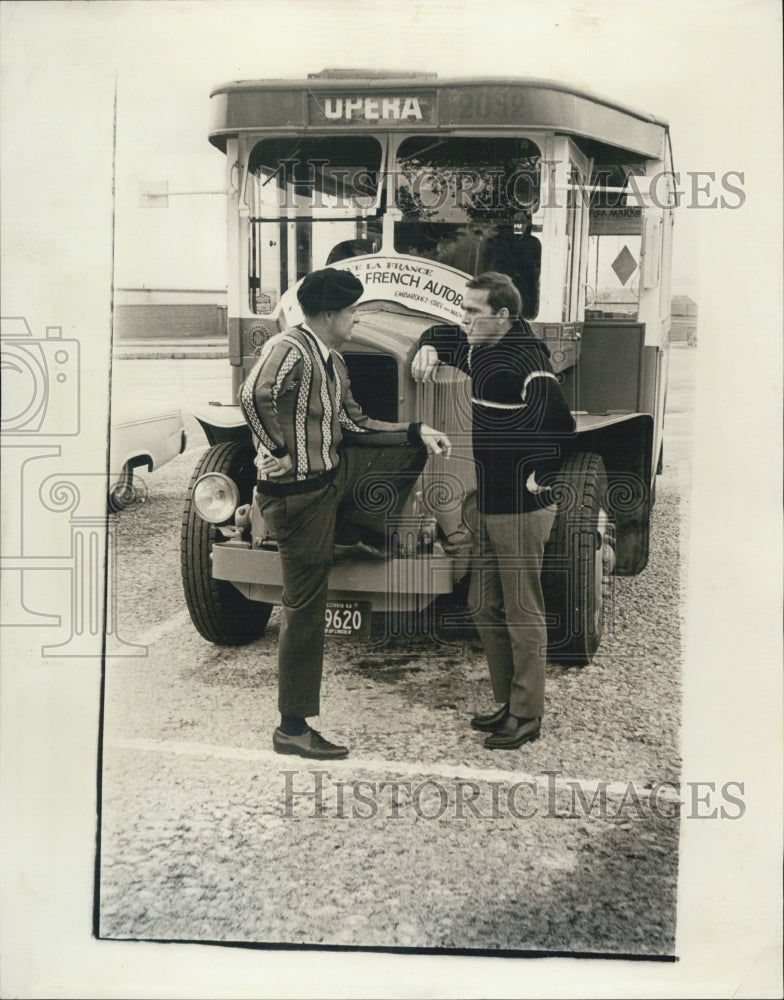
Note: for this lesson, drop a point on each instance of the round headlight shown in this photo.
(215, 497)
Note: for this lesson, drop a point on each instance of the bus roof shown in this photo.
(356, 100)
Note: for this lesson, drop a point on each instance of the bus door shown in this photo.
(627, 311)
(561, 219)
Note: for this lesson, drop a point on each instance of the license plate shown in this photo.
(347, 618)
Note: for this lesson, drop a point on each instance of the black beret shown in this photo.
(329, 290)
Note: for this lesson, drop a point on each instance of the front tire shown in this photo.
(218, 610)
(579, 557)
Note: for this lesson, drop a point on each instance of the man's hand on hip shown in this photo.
(274, 467)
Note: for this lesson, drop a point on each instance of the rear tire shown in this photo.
(122, 493)
(218, 610)
(579, 556)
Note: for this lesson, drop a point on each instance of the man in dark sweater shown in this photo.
(521, 424)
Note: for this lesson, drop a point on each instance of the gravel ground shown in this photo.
(199, 843)
(620, 716)
(215, 857)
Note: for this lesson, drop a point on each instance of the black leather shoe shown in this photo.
(308, 744)
(490, 723)
(513, 733)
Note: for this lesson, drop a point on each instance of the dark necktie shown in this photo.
(330, 366)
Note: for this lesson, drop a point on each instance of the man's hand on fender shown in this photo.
(435, 442)
(425, 364)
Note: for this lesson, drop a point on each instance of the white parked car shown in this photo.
(141, 439)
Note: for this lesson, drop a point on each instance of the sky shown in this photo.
(165, 108)
(166, 57)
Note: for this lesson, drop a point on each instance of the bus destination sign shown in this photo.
(372, 108)
(422, 285)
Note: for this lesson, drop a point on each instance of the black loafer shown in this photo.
(308, 744)
(490, 723)
(513, 733)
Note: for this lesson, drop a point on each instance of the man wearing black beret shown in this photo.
(298, 403)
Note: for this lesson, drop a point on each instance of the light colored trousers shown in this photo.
(507, 606)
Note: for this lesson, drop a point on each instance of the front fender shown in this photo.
(222, 422)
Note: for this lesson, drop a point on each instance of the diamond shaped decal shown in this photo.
(624, 265)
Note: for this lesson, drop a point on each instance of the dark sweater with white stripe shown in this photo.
(296, 407)
(521, 422)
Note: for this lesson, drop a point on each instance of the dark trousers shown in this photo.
(370, 487)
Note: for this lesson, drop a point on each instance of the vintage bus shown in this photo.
(415, 184)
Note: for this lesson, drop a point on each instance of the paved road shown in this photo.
(678, 419)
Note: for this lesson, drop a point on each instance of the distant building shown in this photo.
(170, 246)
(169, 313)
(684, 320)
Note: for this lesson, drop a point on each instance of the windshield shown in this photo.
(312, 201)
(308, 175)
(466, 202)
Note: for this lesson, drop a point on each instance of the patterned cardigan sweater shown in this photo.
(295, 406)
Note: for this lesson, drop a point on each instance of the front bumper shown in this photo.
(406, 584)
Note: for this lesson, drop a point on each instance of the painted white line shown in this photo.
(667, 792)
